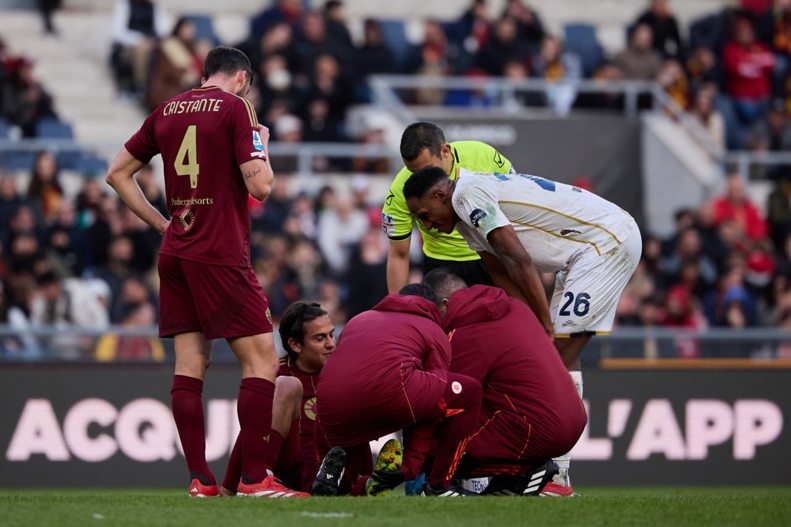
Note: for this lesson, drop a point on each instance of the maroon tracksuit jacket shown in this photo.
(388, 371)
(530, 406)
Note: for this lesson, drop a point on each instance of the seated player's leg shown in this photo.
(285, 427)
(192, 358)
(388, 463)
(584, 304)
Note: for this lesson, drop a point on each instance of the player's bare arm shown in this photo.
(120, 176)
(522, 272)
(257, 173)
(397, 265)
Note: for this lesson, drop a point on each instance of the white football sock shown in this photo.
(565, 460)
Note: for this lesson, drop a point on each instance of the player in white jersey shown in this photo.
(522, 225)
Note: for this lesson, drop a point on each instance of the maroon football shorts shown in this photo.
(219, 301)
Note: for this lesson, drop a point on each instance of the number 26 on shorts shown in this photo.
(581, 304)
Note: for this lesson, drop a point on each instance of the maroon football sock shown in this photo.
(462, 404)
(273, 449)
(254, 408)
(291, 453)
(234, 470)
(187, 404)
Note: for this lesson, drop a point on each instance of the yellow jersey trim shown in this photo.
(614, 237)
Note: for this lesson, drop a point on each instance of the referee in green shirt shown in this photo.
(423, 144)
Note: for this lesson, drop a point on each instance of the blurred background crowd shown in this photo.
(72, 255)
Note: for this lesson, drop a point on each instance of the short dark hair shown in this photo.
(227, 60)
(420, 290)
(422, 181)
(443, 282)
(420, 136)
(293, 322)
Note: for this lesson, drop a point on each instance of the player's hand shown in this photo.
(164, 228)
(388, 478)
(263, 131)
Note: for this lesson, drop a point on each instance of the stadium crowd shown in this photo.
(88, 262)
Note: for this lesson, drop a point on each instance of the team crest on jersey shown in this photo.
(309, 408)
(187, 219)
(257, 143)
(476, 216)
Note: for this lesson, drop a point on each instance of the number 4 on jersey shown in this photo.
(186, 162)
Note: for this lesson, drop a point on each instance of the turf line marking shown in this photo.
(327, 514)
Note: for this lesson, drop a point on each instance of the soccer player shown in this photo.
(215, 157)
(530, 411)
(388, 373)
(423, 144)
(522, 225)
(308, 337)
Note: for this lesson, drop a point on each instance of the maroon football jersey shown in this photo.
(203, 135)
(307, 422)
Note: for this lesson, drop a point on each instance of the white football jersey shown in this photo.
(554, 221)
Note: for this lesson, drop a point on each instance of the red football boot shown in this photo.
(269, 488)
(199, 490)
(558, 490)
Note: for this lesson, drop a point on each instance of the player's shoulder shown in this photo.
(395, 196)
(471, 146)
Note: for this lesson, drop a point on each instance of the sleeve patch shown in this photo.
(476, 216)
(257, 143)
(388, 224)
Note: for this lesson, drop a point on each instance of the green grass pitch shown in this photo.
(610, 507)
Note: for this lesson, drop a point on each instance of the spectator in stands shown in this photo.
(22, 222)
(330, 300)
(773, 133)
(136, 27)
(730, 305)
(606, 99)
(335, 22)
(340, 229)
(25, 101)
(135, 294)
(276, 91)
(289, 11)
(367, 272)
(673, 80)
(114, 272)
(503, 45)
(702, 68)
(45, 191)
(326, 101)
(529, 26)
(145, 242)
(682, 312)
(430, 59)
(748, 78)
(47, 8)
(735, 206)
(313, 43)
(774, 30)
(113, 347)
(706, 225)
(373, 56)
(68, 241)
(472, 30)
(706, 114)
(553, 63)
(22, 345)
(300, 277)
(778, 210)
(10, 200)
(89, 201)
(106, 226)
(150, 187)
(640, 61)
(276, 209)
(288, 129)
(667, 38)
(174, 68)
(688, 248)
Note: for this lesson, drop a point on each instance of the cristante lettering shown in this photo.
(201, 105)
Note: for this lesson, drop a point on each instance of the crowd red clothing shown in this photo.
(748, 70)
(206, 194)
(745, 214)
(310, 462)
(531, 409)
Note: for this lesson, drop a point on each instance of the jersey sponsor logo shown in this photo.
(389, 199)
(187, 220)
(476, 216)
(498, 159)
(257, 143)
(180, 202)
(388, 224)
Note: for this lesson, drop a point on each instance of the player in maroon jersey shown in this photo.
(214, 155)
(390, 372)
(529, 413)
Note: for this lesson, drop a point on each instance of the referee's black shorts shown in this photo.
(472, 271)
